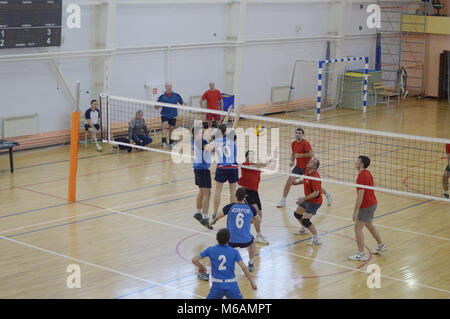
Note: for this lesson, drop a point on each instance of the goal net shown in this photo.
(317, 86)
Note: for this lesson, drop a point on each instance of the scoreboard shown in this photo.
(30, 23)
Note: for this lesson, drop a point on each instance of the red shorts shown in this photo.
(212, 116)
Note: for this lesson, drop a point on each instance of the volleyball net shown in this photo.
(400, 164)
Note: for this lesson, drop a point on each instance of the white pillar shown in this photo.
(235, 31)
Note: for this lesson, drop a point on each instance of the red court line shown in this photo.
(177, 249)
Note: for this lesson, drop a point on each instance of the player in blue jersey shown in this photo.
(223, 259)
(227, 168)
(202, 162)
(240, 216)
(169, 114)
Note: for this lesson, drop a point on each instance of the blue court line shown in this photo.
(51, 163)
(96, 197)
(404, 147)
(90, 218)
(156, 185)
(270, 249)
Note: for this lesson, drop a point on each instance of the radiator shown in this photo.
(20, 126)
(279, 94)
(195, 100)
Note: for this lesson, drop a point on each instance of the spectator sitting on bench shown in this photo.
(92, 116)
(137, 130)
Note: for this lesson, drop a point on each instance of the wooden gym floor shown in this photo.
(133, 235)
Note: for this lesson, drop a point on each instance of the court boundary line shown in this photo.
(359, 270)
(98, 266)
(207, 233)
(378, 225)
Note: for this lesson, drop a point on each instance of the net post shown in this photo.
(108, 120)
(72, 189)
(319, 88)
(366, 78)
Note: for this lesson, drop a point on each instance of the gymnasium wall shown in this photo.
(264, 63)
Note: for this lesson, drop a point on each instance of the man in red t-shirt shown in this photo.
(302, 152)
(213, 99)
(446, 175)
(366, 204)
(310, 203)
(250, 179)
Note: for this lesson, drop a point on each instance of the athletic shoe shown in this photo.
(329, 199)
(203, 221)
(446, 195)
(251, 267)
(315, 242)
(166, 145)
(213, 218)
(204, 276)
(261, 240)
(302, 231)
(358, 257)
(282, 203)
(99, 148)
(380, 249)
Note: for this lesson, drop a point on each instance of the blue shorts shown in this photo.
(220, 290)
(241, 245)
(202, 178)
(87, 127)
(227, 174)
(297, 170)
(171, 121)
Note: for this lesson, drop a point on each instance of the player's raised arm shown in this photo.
(237, 117)
(247, 274)
(227, 117)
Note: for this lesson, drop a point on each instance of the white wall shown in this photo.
(34, 87)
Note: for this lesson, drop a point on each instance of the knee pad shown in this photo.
(306, 222)
(298, 216)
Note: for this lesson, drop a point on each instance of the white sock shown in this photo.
(199, 211)
(205, 216)
(258, 234)
(361, 253)
(380, 245)
(446, 192)
(251, 261)
(283, 198)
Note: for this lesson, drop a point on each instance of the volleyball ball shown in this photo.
(260, 130)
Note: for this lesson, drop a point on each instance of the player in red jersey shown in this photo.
(366, 204)
(302, 152)
(446, 175)
(213, 101)
(250, 179)
(310, 203)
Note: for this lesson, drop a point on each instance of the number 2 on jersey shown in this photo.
(224, 260)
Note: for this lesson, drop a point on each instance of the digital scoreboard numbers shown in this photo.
(30, 23)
